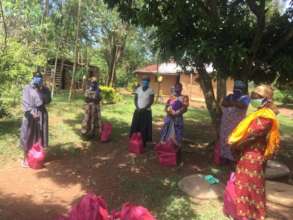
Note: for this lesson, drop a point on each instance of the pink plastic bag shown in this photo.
(36, 156)
(217, 153)
(90, 207)
(132, 212)
(230, 198)
(136, 144)
(168, 153)
(106, 132)
(168, 146)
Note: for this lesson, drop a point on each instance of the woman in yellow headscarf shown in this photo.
(255, 139)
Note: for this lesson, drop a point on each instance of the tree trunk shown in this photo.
(76, 51)
(113, 65)
(4, 26)
(212, 105)
(221, 87)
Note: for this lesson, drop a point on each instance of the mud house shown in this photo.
(164, 76)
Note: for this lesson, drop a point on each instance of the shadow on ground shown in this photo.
(13, 207)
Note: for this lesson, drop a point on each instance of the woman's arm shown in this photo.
(151, 101)
(260, 128)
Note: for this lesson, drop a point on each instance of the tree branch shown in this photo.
(282, 42)
(4, 25)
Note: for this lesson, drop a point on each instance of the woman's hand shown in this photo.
(35, 115)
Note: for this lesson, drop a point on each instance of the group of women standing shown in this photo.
(247, 141)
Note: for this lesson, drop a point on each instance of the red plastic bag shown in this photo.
(217, 153)
(230, 198)
(90, 207)
(168, 153)
(136, 144)
(36, 156)
(133, 212)
(106, 132)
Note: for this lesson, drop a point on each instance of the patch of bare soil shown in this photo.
(27, 194)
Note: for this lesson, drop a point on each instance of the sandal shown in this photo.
(24, 164)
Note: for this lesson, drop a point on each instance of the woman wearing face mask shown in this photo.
(142, 117)
(256, 139)
(175, 107)
(234, 108)
(91, 124)
(34, 127)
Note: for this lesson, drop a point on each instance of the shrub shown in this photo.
(110, 95)
(284, 96)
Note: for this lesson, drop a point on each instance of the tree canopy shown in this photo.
(34, 32)
(245, 39)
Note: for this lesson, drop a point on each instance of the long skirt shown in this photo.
(250, 185)
(173, 129)
(92, 120)
(142, 122)
(34, 130)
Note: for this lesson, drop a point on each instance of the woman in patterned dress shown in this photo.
(176, 106)
(256, 139)
(91, 124)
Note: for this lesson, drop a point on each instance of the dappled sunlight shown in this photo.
(75, 165)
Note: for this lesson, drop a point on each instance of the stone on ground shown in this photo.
(196, 187)
(276, 169)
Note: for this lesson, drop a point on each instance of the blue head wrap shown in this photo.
(37, 80)
(238, 84)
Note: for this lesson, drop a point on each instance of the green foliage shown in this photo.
(284, 96)
(17, 65)
(110, 95)
(177, 208)
(220, 32)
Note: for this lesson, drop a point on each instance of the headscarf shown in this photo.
(241, 131)
(37, 80)
(266, 92)
(238, 84)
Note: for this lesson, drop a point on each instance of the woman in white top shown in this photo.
(142, 117)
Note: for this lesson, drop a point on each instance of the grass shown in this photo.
(160, 194)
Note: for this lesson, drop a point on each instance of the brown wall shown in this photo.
(165, 87)
(190, 86)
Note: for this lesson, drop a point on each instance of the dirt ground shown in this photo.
(105, 169)
(28, 194)
(101, 168)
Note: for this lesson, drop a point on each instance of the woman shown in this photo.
(176, 106)
(256, 139)
(34, 126)
(142, 117)
(234, 108)
(91, 124)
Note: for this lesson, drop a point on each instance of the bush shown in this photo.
(110, 95)
(3, 110)
(284, 96)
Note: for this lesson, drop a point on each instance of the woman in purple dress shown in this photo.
(175, 107)
(34, 127)
(234, 108)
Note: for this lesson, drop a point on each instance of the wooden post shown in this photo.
(54, 75)
(158, 81)
(190, 88)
